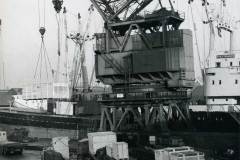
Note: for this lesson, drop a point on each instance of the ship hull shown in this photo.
(41, 132)
(207, 122)
(45, 126)
(49, 126)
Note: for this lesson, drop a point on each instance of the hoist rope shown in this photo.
(58, 30)
(58, 18)
(35, 72)
(42, 56)
(39, 17)
(43, 59)
(44, 12)
(49, 63)
(41, 24)
(40, 74)
(204, 44)
(58, 47)
(46, 66)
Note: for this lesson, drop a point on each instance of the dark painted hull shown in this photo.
(214, 122)
(214, 133)
(207, 122)
(49, 121)
(200, 121)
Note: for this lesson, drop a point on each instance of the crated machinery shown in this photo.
(146, 59)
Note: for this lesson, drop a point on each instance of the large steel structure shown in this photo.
(147, 60)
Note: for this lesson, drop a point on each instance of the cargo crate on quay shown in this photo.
(118, 150)
(99, 140)
(191, 155)
(178, 153)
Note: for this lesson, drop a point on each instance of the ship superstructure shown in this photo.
(222, 82)
(222, 73)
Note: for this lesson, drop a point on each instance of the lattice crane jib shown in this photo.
(114, 11)
(119, 10)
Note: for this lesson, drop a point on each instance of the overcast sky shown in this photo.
(20, 39)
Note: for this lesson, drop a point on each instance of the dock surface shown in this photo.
(27, 155)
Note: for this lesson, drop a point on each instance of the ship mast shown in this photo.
(212, 32)
(221, 25)
(83, 56)
(79, 69)
(226, 25)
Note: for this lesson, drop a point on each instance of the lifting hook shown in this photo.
(42, 30)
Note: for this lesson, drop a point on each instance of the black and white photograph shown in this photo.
(119, 80)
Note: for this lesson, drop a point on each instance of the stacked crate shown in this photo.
(191, 155)
(118, 150)
(114, 149)
(152, 140)
(178, 153)
(99, 140)
(3, 136)
(60, 145)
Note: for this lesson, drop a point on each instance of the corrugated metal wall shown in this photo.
(175, 56)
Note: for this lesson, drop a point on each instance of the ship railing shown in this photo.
(145, 96)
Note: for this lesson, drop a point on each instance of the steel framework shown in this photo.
(138, 99)
(122, 113)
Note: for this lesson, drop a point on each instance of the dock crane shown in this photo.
(127, 58)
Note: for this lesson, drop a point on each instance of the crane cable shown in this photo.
(58, 46)
(39, 14)
(195, 34)
(43, 59)
(58, 6)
